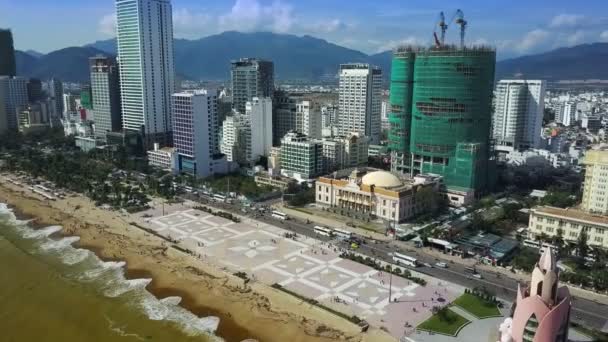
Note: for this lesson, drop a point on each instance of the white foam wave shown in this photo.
(113, 264)
(59, 244)
(75, 256)
(167, 309)
(127, 286)
(44, 232)
(172, 300)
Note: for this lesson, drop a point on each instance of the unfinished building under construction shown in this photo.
(440, 115)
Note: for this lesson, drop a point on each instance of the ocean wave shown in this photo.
(167, 309)
(172, 300)
(60, 244)
(41, 233)
(75, 256)
(127, 286)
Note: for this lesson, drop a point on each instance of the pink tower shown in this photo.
(542, 310)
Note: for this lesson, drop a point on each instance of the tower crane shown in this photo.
(459, 20)
(443, 26)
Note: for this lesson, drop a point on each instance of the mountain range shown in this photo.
(300, 58)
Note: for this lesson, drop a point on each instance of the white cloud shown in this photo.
(532, 39)
(187, 23)
(107, 25)
(566, 20)
(575, 38)
(250, 15)
(329, 26)
(604, 36)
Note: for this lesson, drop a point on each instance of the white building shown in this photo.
(259, 114)
(145, 57)
(518, 114)
(164, 158)
(345, 152)
(301, 157)
(13, 96)
(70, 107)
(308, 118)
(360, 100)
(567, 113)
(235, 139)
(195, 133)
(595, 189)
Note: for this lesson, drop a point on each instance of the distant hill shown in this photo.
(302, 57)
(587, 61)
(69, 64)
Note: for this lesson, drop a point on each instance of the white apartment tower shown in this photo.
(195, 133)
(360, 100)
(145, 57)
(259, 114)
(308, 118)
(595, 188)
(567, 113)
(518, 114)
(235, 139)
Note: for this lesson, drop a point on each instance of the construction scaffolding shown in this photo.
(448, 118)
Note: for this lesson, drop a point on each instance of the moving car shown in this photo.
(441, 264)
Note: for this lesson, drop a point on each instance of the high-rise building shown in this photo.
(518, 114)
(301, 157)
(86, 97)
(235, 139)
(34, 90)
(595, 188)
(567, 113)
(329, 116)
(283, 116)
(145, 59)
(8, 65)
(195, 133)
(440, 115)
(542, 308)
(105, 93)
(360, 98)
(70, 108)
(13, 96)
(55, 90)
(308, 118)
(345, 152)
(251, 78)
(259, 114)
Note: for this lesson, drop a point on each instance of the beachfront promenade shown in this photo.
(306, 266)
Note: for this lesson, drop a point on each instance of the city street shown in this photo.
(585, 312)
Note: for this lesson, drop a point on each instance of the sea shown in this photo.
(52, 291)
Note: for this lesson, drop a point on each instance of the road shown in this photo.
(584, 312)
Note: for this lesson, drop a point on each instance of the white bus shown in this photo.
(219, 198)
(538, 245)
(279, 215)
(402, 259)
(343, 234)
(322, 231)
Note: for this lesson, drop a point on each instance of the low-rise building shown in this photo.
(86, 144)
(375, 194)
(265, 179)
(572, 222)
(377, 150)
(164, 158)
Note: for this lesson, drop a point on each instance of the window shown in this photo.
(573, 234)
(549, 229)
(599, 239)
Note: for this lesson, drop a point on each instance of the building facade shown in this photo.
(345, 152)
(55, 90)
(308, 118)
(251, 78)
(567, 113)
(195, 133)
(146, 63)
(301, 157)
(518, 114)
(360, 100)
(105, 93)
(8, 64)
(259, 114)
(13, 96)
(595, 188)
(235, 139)
(283, 116)
(570, 223)
(377, 194)
(440, 115)
(163, 158)
(542, 307)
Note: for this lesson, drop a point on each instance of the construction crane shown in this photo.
(444, 27)
(459, 20)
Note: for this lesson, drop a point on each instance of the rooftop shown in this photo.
(572, 213)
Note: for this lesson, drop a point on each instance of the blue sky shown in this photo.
(515, 27)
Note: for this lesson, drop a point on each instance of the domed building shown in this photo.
(370, 193)
(542, 309)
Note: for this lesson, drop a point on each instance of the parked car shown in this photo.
(441, 264)
(477, 275)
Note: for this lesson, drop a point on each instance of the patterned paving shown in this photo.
(306, 266)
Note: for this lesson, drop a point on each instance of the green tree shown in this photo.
(581, 246)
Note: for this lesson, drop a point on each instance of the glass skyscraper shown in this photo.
(147, 75)
(105, 91)
(8, 66)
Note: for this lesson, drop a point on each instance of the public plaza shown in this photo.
(306, 266)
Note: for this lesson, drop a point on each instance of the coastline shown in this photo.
(257, 311)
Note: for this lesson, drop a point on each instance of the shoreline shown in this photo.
(205, 290)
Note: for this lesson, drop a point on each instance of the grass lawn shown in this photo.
(448, 323)
(477, 306)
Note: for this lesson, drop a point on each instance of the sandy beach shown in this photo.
(256, 311)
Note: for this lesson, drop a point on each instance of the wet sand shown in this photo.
(255, 311)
